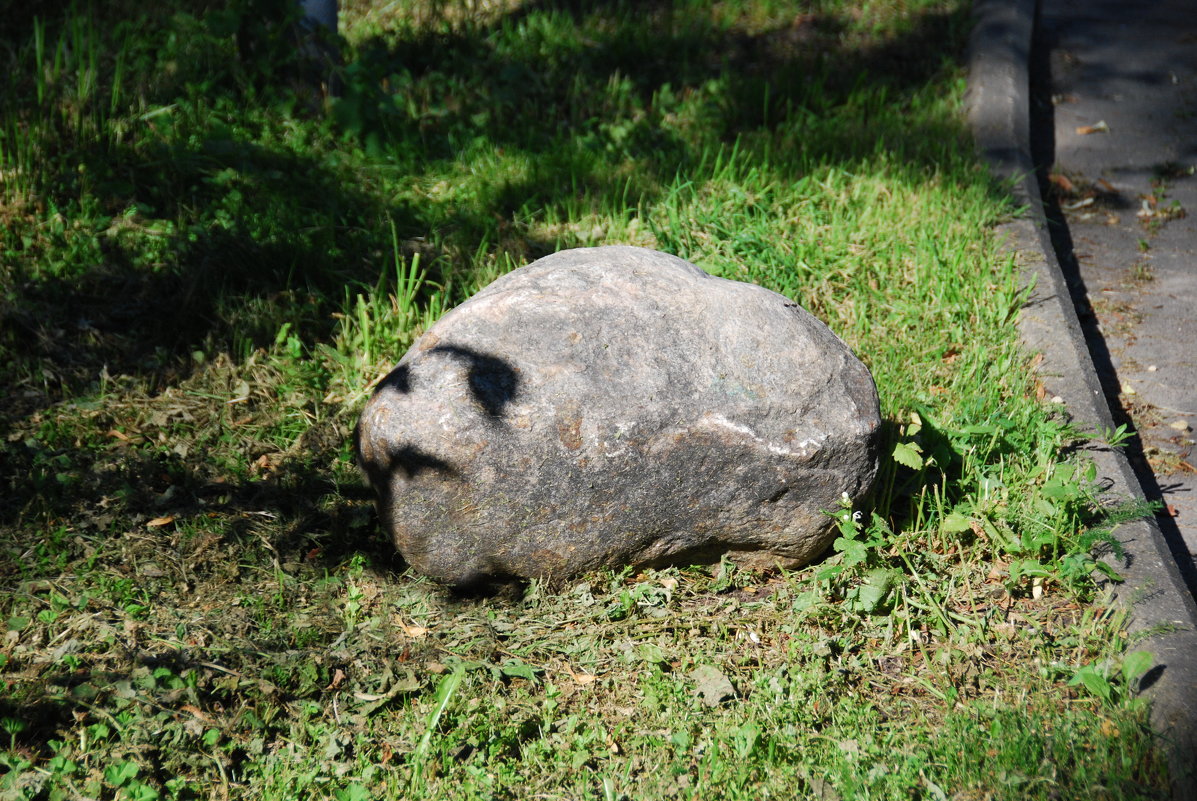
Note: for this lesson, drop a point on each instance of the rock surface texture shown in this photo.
(617, 406)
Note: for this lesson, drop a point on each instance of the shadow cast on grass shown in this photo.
(615, 85)
(140, 297)
(247, 222)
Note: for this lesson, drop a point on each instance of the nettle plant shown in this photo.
(860, 548)
(1040, 521)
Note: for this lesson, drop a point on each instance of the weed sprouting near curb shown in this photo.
(205, 264)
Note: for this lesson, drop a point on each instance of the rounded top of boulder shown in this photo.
(647, 321)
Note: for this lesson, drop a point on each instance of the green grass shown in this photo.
(205, 263)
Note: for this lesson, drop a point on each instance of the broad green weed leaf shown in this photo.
(1054, 489)
(519, 670)
(652, 654)
(354, 792)
(745, 738)
(854, 551)
(118, 774)
(808, 599)
(1094, 682)
(871, 596)
(137, 791)
(907, 454)
(957, 522)
(1135, 665)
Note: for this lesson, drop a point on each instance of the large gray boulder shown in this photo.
(617, 406)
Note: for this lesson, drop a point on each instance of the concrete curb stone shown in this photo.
(1162, 612)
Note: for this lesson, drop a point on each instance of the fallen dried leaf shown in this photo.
(158, 522)
(195, 711)
(1062, 182)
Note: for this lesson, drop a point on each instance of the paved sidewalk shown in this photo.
(1123, 79)
(1117, 86)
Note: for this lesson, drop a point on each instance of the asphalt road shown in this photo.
(1114, 111)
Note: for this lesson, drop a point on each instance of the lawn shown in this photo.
(206, 262)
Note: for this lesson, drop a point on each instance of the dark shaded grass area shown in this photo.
(251, 220)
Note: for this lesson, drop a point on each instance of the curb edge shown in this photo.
(1163, 614)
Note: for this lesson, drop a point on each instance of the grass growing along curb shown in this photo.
(204, 269)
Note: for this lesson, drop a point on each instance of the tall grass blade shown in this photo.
(444, 694)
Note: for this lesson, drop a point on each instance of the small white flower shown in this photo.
(856, 516)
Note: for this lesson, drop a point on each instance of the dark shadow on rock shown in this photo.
(413, 461)
(493, 382)
(398, 379)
